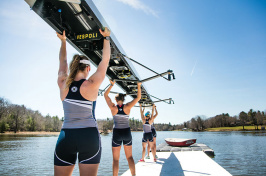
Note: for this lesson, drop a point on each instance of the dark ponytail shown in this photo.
(120, 97)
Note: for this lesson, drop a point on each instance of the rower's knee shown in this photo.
(115, 160)
(129, 158)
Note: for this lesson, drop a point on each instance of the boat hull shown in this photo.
(180, 142)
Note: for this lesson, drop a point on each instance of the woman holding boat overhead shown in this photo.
(147, 121)
(121, 130)
(154, 134)
(79, 133)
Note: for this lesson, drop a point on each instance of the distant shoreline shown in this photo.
(237, 128)
(30, 132)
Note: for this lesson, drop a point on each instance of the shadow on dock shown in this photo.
(171, 164)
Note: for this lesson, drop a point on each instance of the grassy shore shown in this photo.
(237, 128)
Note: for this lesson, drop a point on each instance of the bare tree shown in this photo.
(194, 124)
(17, 113)
(3, 107)
(199, 124)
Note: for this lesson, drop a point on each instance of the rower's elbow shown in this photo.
(138, 98)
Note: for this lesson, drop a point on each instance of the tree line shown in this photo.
(19, 118)
(198, 123)
(250, 118)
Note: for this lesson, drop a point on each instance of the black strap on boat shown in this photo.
(100, 93)
(103, 90)
(158, 99)
(164, 100)
(144, 66)
(169, 72)
(158, 75)
(169, 99)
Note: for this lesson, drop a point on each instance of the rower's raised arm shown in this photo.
(63, 67)
(155, 112)
(154, 116)
(107, 98)
(98, 77)
(141, 113)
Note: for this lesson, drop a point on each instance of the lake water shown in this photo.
(240, 153)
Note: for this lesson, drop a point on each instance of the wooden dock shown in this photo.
(175, 162)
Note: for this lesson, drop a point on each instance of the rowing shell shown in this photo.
(81, 20)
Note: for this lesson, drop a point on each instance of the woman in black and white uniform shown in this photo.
(79, 136)
(154, 134)
(147, 121)
(121, 130)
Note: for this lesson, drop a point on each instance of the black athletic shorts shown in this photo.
(154, 134)
(121, 136)
(85, 142)
(147, 137)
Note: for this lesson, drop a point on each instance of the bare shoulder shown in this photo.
(88, 91)
(127, 109)
(90, 79)
(114, 110)
(143, 121)
(127, 106)
(87, 83)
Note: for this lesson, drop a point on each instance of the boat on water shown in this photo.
(179, 142)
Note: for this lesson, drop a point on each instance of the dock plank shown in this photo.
(190, 163)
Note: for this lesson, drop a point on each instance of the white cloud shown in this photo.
(136, 4)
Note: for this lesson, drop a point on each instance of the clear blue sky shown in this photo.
(217, 50)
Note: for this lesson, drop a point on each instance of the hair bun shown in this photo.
(120, 97)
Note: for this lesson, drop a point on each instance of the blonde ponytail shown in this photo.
(74, 68)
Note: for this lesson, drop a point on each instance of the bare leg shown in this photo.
(152, 149)
(130, 160)
(63, 170)
(149, 149)
(154, 143)
(88, 169)
(116, 156)
(143, 149)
